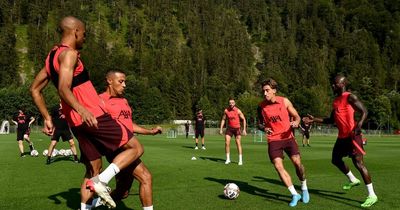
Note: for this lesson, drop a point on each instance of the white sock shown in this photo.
(292, 190)
(148, 208)
(304, 185)
(370, 189)
(85, 206)
(228, 157)
(351, 177)
(96, 202)
(109, 173)
(240, 158)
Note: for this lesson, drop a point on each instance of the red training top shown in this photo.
(233, 117)
(344, 115)
(276, 117)
(85, 92)
(119, 109)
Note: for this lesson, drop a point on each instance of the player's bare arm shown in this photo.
(68, 60)
(241, 115)
(359, 107)
(144, 131)
(39, 83)
(293, 113)
(222, 123)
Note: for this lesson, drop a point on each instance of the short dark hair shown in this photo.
(271, 82)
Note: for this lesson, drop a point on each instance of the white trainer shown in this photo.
(227, 162)
(196, 148)
(240, 163)
(203, 148)
(102, 190)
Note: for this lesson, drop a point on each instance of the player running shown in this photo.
(274, 117)
(349, 141)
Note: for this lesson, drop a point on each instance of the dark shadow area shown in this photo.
(73, 198)
(188, 147)
(213, 159)
(62, 158)
(250, 189)
(331, 195)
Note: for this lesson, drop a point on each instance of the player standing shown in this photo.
(274, 117)
(233, 115)
(23, 123)
(61, 130)
(199, 122)
(349, 141)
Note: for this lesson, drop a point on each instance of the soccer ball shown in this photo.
(231, 191)
(45, 152)
(61, 152)
(68, 152)
(34, 153)
(55, 153)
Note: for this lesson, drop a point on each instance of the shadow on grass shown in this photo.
(73, 199)
(250, 189)
(327, 194)
(188, 147)
(62, 158)
(213, 159)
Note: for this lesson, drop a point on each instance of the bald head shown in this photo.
(69, 24)
(339, 84)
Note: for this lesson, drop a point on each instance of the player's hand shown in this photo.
(48, 128)
(309, 119)
(269, 131)
(88, 118)
(357, 130)
(244, 132)
(156, 130)
(221, 132)
(294, 124)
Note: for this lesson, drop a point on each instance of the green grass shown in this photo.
(182, 183)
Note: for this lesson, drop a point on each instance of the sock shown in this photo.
(31, 147)
(109, 173)
(202, 145)
(96, 202)
(304, 185)
(76, 157)
(292, 190)
(351, 177)
(196, 144)
(84, 206)
(370, 189)
(240, 158)
(228, 158)
(148, 208)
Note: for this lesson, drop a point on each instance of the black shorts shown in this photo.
(276, 148)
(65, 135)
(22, 132)
(199, 132)
(306, 134)
(233, 132)
(107, 138)
(348, 147)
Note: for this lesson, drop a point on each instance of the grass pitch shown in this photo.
(182, 183)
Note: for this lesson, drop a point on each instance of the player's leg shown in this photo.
(202, 140)
(238, 140)
(300, 172)
(143, 175)
(93, 168)
(52, 145)
(341, 149)
(287, 180)
(227, 148)
(73, 149)
(21, 147)
(358, 162)
(196, 135)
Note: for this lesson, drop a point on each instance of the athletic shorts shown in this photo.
(276, 148)
(22, 132)
(198, 133)
(107, 138)
(233, 132)
(306, 134)
(348, 147)
(65, 135)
